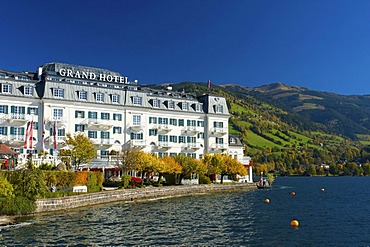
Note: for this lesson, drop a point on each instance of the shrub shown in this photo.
(6, 188)
(126, 181)
(94, 181)
(28, 183)
(17, 205)
(65, 179)
(203, 179)
(81, 178)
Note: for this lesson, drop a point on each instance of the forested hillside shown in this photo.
(282, 133)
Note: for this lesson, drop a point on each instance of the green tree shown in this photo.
(81, 149)
(6, 188)
(311, 170)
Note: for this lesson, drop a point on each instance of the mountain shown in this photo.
(288, 128)
(343, 115)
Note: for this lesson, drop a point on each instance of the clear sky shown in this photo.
(319, 44)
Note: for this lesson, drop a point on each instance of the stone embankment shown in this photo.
(64, 203)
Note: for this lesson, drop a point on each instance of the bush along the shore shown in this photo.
(19, 189)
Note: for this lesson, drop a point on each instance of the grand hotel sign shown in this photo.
(92, 76)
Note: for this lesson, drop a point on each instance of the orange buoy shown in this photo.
(267, 200)
(292, 193)
(294, 223)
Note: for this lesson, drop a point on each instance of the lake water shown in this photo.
(337, 216)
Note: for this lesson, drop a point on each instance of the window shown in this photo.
(232, 141)
(152, 132)
(162, 138)
(33, 110)
(3, 130)
(201, 135)
(115, 98)
(219, 140)
(191, 123)
(162, 120)
(28, 91)
(93, 115)
(136, 136)
(17, 131)
(181, 122)
(79, 114)
(100, 97)
(136, 120)
(4, 109)
(92, 134)
(173, 121)
(153, 120)
(79, 127)
(7, 88)
(181, 139)
(117, 116)
(200, 123)
(117, 130)
(57, 114)
(105, 116)
(22, 78)
(104, 135)
(191, 139)
(173, 139)
(137, 100)
(218, 124)
(61, 132)
(58, 92)
(185, 106)
(82, 95)
(171, 105)
(219, 109)
(156, 103)
(198, 107)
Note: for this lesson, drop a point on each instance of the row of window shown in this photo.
(8, 89)
(175, 122)
(19, 110)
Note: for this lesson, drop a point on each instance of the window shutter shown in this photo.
(76, 114)
(22, 131)
(5, 130)
(83, 114)
(23, 109)
(37, 111)
(12, 109)
(12, 130)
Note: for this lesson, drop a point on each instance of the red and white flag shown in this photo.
(29, 136)
(55, 135)
(209, 84)
(43, 135)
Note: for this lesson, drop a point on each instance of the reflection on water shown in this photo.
(334, 218)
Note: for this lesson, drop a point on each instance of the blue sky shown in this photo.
(319, 44)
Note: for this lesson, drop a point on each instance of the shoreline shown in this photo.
(49, 205)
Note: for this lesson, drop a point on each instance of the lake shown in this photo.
(332, 211)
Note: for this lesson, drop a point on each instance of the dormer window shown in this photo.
(219, 109)
(232, 141)
(82, 95)
(115, 98)
(136, 100)
(171, 105)
(58, 92)
(185, 106)
(156, 103)
(99, 97)
(6, 88)
(28, 91)
(198, 107)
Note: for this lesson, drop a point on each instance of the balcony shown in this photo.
(137, 128)
(97, 124)
(17, 119)
(218, 147)
(192, 146)
(60, 140)
(59, 121)
(219, 131)
(162, 128)
(191, 130)
(164, 145)
(102, 144)
(16, 140)
(137, 144)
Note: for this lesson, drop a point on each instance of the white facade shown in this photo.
(112, 111)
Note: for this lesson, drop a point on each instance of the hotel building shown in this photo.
(112, 111)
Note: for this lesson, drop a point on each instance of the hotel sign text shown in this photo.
(92, 76)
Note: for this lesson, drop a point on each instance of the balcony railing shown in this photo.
(97, 124)
(17, 119)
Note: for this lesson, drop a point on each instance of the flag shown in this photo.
(209, 84)
(43, 135)
(29, 136)
(55, 135)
